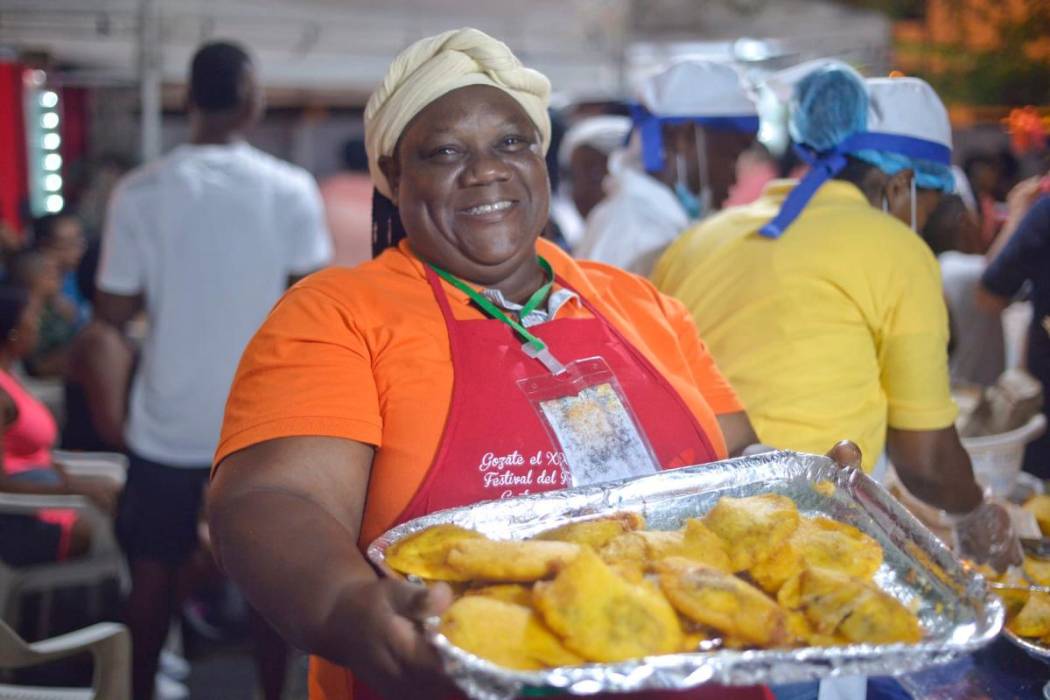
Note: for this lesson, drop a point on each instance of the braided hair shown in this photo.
(387, 229)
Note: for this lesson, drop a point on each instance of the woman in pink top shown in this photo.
(29, 433)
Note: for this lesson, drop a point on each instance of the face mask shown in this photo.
(689, 201)
(692, 204)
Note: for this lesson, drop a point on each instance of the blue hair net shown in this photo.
(928, 175)
(831, 104)
(828, 105)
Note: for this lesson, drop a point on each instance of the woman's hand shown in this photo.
(384, 637)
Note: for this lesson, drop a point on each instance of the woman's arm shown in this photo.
(738, 432)
(285, 516)
(100, 361)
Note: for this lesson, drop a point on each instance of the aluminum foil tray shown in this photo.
(1033, 649)
(957, 613)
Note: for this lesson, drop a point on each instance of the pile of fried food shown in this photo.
(751, 573)
(1028, 612)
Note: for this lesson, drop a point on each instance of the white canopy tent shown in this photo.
(336, 50)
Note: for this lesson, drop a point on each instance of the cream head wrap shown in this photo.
(435, 66)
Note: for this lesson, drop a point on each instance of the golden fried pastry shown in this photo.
(754, 527)
(507, 592)
(604, 618)
(637, 552)
(720, 600)
(424, 553)
(691, 640)
(836, 604)
(771, 573)
(879, 618)
(1034, 618)
(1014, 601)
(804, 634)
(1038, 570)
(504, 633)
(595, 533)
(829, 544)
(509, 560)
(823, 543)
(1039, 506)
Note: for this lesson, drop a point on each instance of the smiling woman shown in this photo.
(471, 187)
(468, 361)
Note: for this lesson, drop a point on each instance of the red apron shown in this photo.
(495, 446)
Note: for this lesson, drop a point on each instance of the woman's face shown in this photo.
(68, 244)
(898, 197)
(587, 167)
(48, 280)
(470, 183)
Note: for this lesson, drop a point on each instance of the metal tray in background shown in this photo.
(957, 613)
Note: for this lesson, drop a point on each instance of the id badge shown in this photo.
(587, 414)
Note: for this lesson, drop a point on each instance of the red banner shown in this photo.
(13, 169)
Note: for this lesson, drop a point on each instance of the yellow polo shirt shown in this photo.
(832, 331)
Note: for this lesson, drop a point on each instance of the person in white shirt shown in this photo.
(693, 122)
(205, 240)
(583, 159)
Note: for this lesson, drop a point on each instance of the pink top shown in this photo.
(29, 440)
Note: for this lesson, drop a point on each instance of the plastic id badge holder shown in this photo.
(587, 414)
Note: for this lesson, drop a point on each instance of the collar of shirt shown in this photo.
(555, 301)
(563, 265)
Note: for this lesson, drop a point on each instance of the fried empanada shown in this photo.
(1038, 570)
(753, 528)
(509, 560)
(879, 618)
(504, 633)
(603, 617)
(839, 605)
(1034, 618)
(424, 553)
(805, 635)
(829, 544)
(507, 592)
(823, 543)
(595, 533)
(638, 552)
(720, 600)
(1039, 506)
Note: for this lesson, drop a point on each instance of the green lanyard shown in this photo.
(533, 347)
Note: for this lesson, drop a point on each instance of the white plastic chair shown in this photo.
(109, 644)
(104, 562)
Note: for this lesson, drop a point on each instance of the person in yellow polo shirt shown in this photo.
(824, 309)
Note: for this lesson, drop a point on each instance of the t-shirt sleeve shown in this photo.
(309, 240)
(121, 263)
(1027, 253)
(913, 349)
(716, 389)
(284, 388)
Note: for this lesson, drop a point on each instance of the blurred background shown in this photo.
(106, 77)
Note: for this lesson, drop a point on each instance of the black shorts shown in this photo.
(26, 540)
(159, 510)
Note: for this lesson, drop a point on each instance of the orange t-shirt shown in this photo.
(365, 354)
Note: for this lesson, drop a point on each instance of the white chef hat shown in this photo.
(708, 93)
